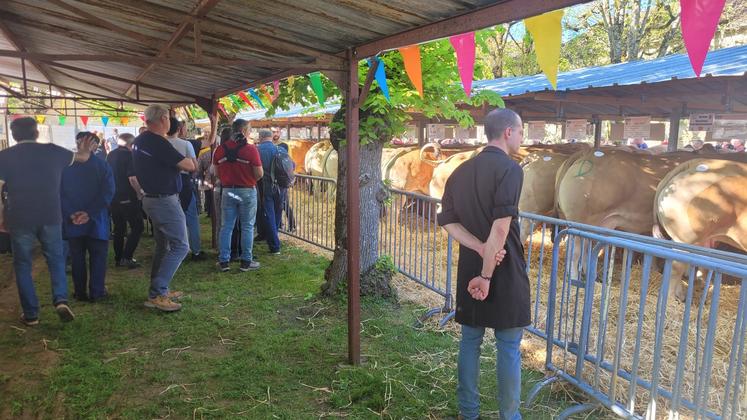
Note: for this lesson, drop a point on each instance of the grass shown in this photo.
(245, 345)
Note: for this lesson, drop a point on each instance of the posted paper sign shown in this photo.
(637, 127)
(701, 122)
(536, 130)
(575, 129)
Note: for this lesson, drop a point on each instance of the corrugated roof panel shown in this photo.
(724, 62)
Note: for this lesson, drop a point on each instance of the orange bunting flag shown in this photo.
(124, 120)
(411, 58)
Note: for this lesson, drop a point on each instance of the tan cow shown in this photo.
(703, 202)
(411, 170)
(297, 150)
(321, 160)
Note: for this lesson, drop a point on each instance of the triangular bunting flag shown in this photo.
(61, 119)
(245, 98)
(142, 117)
(40, 119)
(316, 86)
(254, 95)
(547, 31)
(380, 77)
(411, 58)
(699, 21)
(275, 90)
(223, 110)
(124, 120)
(235, 100)
(84, 120)
(263, 91)
(105, 121)
(464, 46)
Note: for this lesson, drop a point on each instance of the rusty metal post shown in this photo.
(353, 209)
(674, 130)
(597, 131)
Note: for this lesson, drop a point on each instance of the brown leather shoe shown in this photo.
(162, 303)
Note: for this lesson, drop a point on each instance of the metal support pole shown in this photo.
(597, 131)
(353, 209)
(421, 133)
(674, 130)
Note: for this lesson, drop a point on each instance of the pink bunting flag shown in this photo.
(699, 21)
(464, 46)
(142, 117)
(275, 89)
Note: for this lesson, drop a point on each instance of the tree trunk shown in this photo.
(372, 196)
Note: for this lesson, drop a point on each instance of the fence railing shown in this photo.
(609, 326)
(613, 330)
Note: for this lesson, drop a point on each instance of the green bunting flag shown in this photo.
(61, 119)
(316, 85)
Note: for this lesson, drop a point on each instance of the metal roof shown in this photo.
(724, 62)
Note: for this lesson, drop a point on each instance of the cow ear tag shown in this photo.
(599, 153)
(701, 168)
(547, 158)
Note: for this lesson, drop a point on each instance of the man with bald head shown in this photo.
(480, 210)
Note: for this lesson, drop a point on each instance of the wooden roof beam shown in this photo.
(200, 11)
(502, 12)
(123, 80)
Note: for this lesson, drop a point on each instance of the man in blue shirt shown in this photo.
(87, 190)
(271, 201)
(156, 165)
(32, 173)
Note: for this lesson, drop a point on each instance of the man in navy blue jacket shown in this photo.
(86, 191)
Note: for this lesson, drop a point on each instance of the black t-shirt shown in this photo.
(120, 160)
(154, 163)
(32, 173)
(480, 191)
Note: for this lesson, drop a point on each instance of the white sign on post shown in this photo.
(536, 130)
(701, 122)
(576, 129)
(637, 127)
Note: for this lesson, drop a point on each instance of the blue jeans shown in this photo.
(170, 231)
(508, 371)
(238, 203)
(98, 251)
(272, 210)
(193, 226)
(23, 241)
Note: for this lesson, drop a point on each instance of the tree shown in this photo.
(380, 121)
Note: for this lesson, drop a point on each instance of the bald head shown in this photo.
(498, 120)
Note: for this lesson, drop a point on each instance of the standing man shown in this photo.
(480, 210)
(239, 169)
(156, 164)
(271, 200)
(187, 196)
(32, 173)
(87, 189)
(126, 208)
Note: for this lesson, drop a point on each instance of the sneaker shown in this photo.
(275, 253)
(162, 303)
(175, 295)
(200, 256)
(223, 266)
(249, 265)
(29, 322)
(129, 263)
(64, 312)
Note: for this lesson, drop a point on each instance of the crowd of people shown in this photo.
(74, 203)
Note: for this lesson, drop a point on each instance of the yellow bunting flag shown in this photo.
(40, 119)
(547, 33)
(411, 58)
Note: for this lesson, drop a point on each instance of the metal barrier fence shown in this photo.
(605, 338)
(613, 331)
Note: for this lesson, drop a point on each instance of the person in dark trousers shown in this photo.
(87, 189)
(480, 210)
(239, 169)
(126, 208)
(285, 204)
(156, 164)
(32, 173)
(271, 207)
